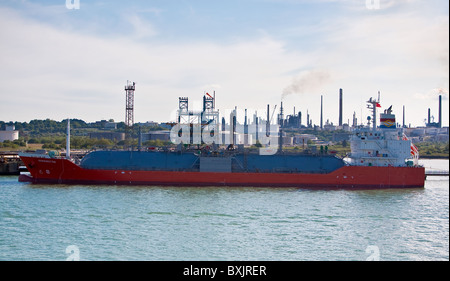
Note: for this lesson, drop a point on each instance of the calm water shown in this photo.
(39, 222)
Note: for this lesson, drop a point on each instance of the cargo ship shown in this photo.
(381, 157)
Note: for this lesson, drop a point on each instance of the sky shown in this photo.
(63, 60)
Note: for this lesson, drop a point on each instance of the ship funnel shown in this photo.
(387, 119)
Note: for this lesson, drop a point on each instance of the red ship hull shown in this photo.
(63, 171)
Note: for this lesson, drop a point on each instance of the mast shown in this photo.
(68, 139)
(129, 108)
(373, 107)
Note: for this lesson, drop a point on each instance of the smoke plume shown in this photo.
(439, 91)
(307, 82)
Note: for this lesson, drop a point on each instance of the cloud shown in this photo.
(432, 94)
(57, 73)
(141, 28)
(80, 60)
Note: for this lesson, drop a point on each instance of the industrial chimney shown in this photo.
(440, 111)
(340, 107)
(321, 111)
(404, 125)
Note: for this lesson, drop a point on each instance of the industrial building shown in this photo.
(429, 133)
(207, 126)
(9, 134)
(430, 119)
(294, 121)
(156, 135)
(107, 135)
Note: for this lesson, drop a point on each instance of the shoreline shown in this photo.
(16, 152)
(435, 157)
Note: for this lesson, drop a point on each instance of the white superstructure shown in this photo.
(384, 146)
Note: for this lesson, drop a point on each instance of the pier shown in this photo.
(10, 163)
(437, 173)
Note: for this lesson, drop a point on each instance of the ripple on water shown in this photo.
(168, 223)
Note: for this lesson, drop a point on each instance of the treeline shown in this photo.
(59, 142)
(48, 126)
(77, 142)
(51, 134)
(437, 149)
(51, 127)
(13, 144)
